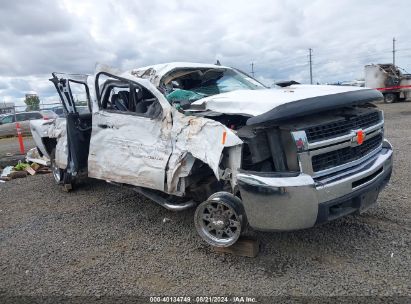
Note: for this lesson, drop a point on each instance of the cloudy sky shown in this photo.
(39, 37)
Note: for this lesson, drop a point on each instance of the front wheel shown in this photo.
(220, 219)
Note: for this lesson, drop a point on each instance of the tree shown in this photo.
(32, 102)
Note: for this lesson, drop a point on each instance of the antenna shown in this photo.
(310, 51)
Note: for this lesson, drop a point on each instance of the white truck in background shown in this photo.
(389, 80)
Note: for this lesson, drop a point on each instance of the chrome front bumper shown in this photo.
(283, 201)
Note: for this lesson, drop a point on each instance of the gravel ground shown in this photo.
(11, 145)
(105, 240)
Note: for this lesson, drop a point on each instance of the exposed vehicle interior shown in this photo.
(128, 97)
(184, 86)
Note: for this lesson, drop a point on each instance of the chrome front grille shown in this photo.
(345, 155)
(328, 144)
(342, 127)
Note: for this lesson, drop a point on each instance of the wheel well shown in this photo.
(201, 182)
(49, 144)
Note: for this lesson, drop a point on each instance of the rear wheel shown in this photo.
(220, 219)
(390, 98)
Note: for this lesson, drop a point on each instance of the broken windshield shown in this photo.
(187, 86)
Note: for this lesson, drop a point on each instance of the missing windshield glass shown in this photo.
(183, 87)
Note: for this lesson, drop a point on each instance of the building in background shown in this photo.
(6, 107)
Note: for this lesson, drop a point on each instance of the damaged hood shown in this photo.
(282, 103)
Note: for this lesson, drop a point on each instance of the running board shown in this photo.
(157, 198)
(164, 202)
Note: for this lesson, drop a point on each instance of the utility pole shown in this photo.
(393, 51)
(310, 50)
(252, 68)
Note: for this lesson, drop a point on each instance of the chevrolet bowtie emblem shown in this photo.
(359, 137)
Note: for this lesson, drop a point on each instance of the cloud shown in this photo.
(39, 37)
(20, 84)
(3, 85)
(37, 18)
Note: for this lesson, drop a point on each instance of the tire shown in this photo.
(58, 174)
(220, 219)
(390, 98)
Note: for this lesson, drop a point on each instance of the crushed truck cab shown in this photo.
(207, 136)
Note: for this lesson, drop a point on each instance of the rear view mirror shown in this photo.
(176, 85)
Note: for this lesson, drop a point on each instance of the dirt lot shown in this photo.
(10, 145)
(10, 150)
(104, 240)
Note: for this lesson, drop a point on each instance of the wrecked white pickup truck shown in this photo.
(188, 134)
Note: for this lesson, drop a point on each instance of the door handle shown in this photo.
(102, 126)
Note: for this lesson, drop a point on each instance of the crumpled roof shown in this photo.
(157, 71)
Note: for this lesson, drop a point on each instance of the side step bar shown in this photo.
(164, 202)
(150, 194)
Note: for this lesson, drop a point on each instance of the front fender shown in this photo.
(200, 138)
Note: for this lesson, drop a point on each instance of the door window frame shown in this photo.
(65, 81)
(132, 85)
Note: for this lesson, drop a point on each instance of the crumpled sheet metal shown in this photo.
(33, 156)
(144, 154)
(155, 73)
(131, 150)
(201, 138)
(58, 131)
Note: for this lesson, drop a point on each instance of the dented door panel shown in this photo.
(129, 149)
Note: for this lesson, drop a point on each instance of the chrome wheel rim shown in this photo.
(217, 223)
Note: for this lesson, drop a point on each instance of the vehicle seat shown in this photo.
(119, 102)
(141, 107)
